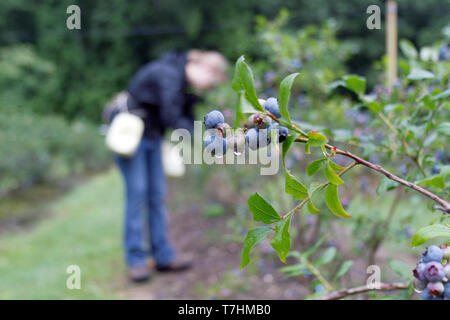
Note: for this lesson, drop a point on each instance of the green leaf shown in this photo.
(312, 208)
(314, 166)
(295, 188)
(420, 74)
(262, 210)
(326, 257)
(445, 171)
(281, 242)
(400, 268)
(408, 49)
(430, 232)
(284, 94)
(236, 81)
(374, 106)
(335, 166)
(386, 184)
(392, 107)
(239, 115)
(307, 148)
(314, 248)
(254, 236)
(316, 139)
(245, 105)
(336, 84)
(294, 270)
(436, 181)
(245, 75)
(442, 95)
(333, 203)
(313, 188)
(444, 128)
(332, 176)
(355, 83)
(343, 269)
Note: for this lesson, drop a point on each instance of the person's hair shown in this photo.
(212, 58)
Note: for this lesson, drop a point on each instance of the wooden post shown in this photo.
(391, 41)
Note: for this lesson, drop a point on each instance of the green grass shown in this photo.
(84, 230)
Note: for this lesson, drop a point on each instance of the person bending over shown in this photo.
(159, 94)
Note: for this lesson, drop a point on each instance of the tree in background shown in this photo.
(118, 36)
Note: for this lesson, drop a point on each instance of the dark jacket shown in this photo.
(159, 88)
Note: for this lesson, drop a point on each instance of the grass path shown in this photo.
(83, 230)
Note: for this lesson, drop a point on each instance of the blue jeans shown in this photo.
(145, 188)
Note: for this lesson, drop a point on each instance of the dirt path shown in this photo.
(216, 272)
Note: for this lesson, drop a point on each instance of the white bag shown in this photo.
(125, 131)
(172, 160)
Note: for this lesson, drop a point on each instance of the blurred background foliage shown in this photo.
(76, 72)
(54, 83)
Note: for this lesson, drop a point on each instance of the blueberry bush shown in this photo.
(42, 149)
(407, 122)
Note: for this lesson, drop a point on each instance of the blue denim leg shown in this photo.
(134, 171)
(161, 249)
(145, 192)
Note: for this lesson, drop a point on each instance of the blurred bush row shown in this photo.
(37, 148)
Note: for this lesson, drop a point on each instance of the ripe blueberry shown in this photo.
(434, 253)
(283, 133)
(319, 288)
(436, 169)
(251, 138)
(434, 271)
(213, 119)
(237, 141)
(447, 271)
(216, 145)
(419, 271)
(263, 137)
(428, 296)
(272, 127)
(435, 288)
(447, 290)
(419, 284)
(271, 105)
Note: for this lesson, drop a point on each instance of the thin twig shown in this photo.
(414, 158)
(443, 205)
(376, 238)
(342, 293)
(316, 272)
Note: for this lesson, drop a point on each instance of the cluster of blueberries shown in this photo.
(432, 274)
(257, 131)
